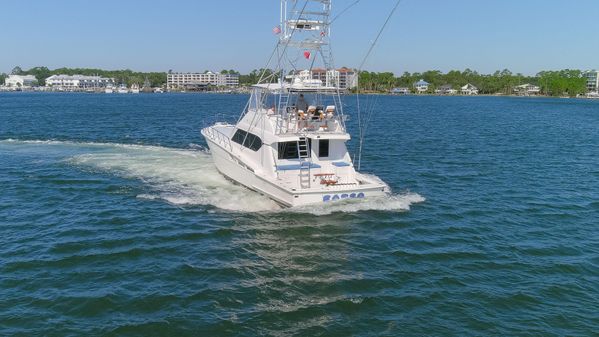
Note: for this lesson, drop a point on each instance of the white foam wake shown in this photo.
(187, 176)
(391, 202)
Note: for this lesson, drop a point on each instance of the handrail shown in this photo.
(219, 137)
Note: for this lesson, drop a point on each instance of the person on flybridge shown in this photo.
(301, 107)
(301, 103)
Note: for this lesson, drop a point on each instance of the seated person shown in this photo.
(317, 115)
(330, 111)
(301, 114)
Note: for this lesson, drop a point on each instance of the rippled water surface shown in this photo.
(114, 221)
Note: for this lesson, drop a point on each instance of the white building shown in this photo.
(527, 89)
(592, 78)
(421, 86)
(400, 91)
(77, 82)
(183, 80)
(469, 89)
(446, 89)
(342, 78)
(20, 81)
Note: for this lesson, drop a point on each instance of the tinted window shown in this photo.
(288, 150)
(247, 139)
(323, 148)
(239, 136)
(252, 142)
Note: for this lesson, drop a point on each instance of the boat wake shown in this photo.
(184, 176)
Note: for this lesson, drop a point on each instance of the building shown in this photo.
(20, 81)
(446, 89)
(342, 78)
(200, 80)
(527, 89)
(421, 86)
(400, 91)
(592, 78)
(231, 80)
(469, 89)
(77, 82)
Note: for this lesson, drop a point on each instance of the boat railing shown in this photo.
(219, 137)
(294, 124)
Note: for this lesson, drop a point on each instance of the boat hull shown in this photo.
(231, 168)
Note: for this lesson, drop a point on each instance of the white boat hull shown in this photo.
(230, 167)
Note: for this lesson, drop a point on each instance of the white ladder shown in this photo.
(282, 112)
(303, 153)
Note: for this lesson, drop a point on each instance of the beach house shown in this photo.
(469, 89)
(421, 86)
(527, 89)
(446, 89)
(400, 91)
(20, 81)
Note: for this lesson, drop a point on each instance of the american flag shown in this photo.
(276, 30)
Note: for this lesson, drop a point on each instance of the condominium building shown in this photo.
(187, 80)
(20, 81)
(592, 78)
(76, 82)
(343, 78)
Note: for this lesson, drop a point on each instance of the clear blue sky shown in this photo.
(195, 35)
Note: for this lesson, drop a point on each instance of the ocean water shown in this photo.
(114, 222)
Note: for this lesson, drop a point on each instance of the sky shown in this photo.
(525, 36)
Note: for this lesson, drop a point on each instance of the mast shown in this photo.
(303, 45)
(305, 28)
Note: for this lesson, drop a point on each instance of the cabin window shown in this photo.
(249, 140)
(323, 148)
(288, 150)
(239, 136)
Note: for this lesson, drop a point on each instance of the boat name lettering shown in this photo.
(334, 197)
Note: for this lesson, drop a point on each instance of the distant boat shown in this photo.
(158, 90)
(135, 88)
(122, 89)
(109, 89)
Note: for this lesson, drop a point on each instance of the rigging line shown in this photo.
(272, 55)
(379, 34)
(343, 11)
(290, 36)
(360, 123)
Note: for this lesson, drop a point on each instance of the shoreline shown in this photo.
(246, 93)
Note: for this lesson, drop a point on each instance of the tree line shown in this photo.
(552, 83)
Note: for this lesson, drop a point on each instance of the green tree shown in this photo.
(16, 71)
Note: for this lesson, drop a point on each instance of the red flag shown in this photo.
(307, 54)
(276, 30)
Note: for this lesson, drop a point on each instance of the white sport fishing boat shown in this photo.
(289, 142)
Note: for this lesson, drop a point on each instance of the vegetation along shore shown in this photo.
(566, 82)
